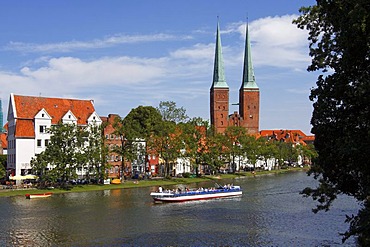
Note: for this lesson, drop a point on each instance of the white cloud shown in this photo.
(93, 44)
(183, 75)
(275, 42)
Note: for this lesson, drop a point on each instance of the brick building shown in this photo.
(114, 160)
(249, 94)
(148, 165)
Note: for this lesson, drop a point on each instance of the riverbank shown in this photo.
(144, 183)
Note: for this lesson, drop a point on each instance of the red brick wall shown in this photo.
(219, 108)
(249, 109)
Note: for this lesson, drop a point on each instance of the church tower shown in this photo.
(249, 93)
(219, 93)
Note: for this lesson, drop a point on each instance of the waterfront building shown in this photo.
(1, 118)
(296, 137)
(30, 117)
(249, 94)
(145, 162)
(112, 141)
(4, 141)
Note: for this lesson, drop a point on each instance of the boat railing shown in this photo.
(169, 193)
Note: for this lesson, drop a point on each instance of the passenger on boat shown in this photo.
(160, 189)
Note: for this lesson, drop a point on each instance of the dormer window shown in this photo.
(43, 115)
(69, 116)
(93, 118)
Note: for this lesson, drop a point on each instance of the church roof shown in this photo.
(249, 81)
(219, 80)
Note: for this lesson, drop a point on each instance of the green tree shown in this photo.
(339, 35)
(194, 136)
(3, 164)
(168, 144)
(216, 155)
(142, 122)
(252, 148)
(233, 145)
(61, 155)
(170, 112)
(126, 148)
(95, 152)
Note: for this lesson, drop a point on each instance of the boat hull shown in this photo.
(43, 195)
(194, 196)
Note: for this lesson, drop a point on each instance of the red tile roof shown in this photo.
(3, 140)
(25, 128)
(292, 136)
(26, 108)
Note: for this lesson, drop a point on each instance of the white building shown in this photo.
(29, 118)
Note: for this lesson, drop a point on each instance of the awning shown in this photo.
(18, 177)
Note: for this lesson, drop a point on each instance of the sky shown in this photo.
(123, 54)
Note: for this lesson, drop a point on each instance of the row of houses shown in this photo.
(26, 135)
(29, 117)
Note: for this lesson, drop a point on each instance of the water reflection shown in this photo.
(270, 213)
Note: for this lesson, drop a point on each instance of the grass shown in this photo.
(142, 183)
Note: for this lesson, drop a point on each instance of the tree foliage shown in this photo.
(339, 35)
(142, 122)
(170, 112)
(194, 138)
(67, 151)
(3, 164)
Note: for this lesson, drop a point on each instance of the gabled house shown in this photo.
(30, 117)
(111, 140)
(295, 137)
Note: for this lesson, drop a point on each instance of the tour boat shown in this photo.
(199, 194)
(42, 195)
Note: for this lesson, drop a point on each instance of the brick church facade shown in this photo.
(249, 94)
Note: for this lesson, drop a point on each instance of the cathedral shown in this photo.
(249, 94)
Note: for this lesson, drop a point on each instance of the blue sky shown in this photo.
(123, 54)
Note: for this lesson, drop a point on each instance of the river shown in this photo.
(271, 212)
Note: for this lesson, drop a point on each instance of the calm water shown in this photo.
(270, 213)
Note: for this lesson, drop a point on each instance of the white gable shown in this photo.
(94, 119)
(43, 114)
(69, 118)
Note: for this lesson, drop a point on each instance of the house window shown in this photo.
(39, 143)
(42, 128)
(46, 142)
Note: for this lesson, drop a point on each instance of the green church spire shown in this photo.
(248, 72)
(219, 80)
